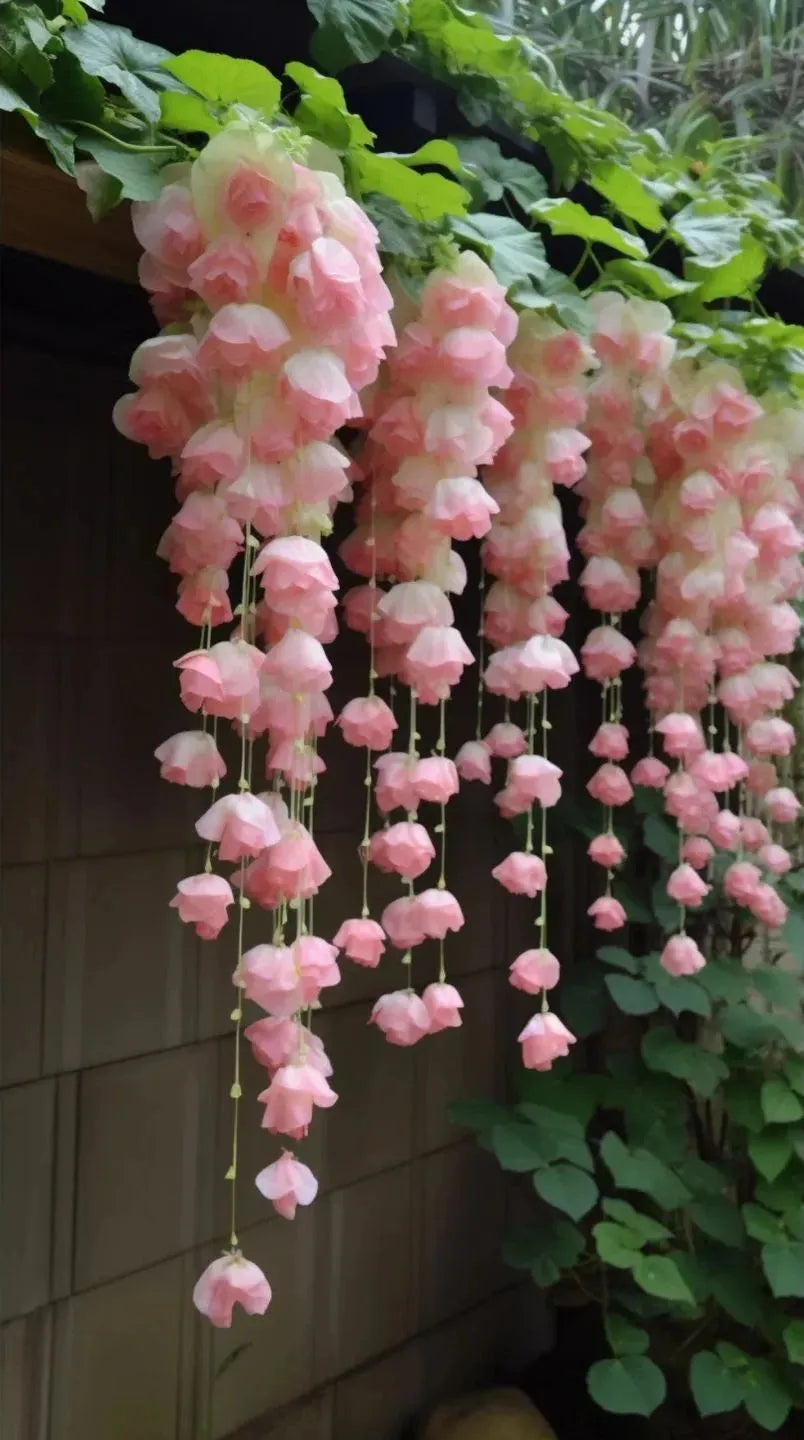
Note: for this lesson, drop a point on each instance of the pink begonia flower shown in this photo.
(610, 785)
(367, 721)
(314, 472)
(154, 418)
(315, 385)
(770, 736)
(275, 1040)
(443, 1004)
(292, 568)
(434, 779)
(724, 832)
(521, 874)
(545, 662)
(393, 788)
(406, 849)
(229, 1281)
(782, 805)
(241, 825)
(438, 912)
(606, 850)
(295, 866)
(403, 922)
(607, 913)
(203, 597)
(775, 859)
(223, 680)
(605, 653)
(741, 880)
(291, 1097)
(298, 663)
(250, 198)
(610, 586)
(501, 676)
(190, 758)
(506, 740)
(470, 354)
(461, 508)
(610, 741)
(563, 452)
(544, 1039)
(213, 453)
(719, 771)
(402, 1017)
(535, 970)
(242, 339)
(535, 779)
(405, 609)
(650, 772)
(681, 956)
(287, 1183)
(768, 906)
(686, 887)
(168, 227)
(473, 761)
(203, 901)
(697, 851)
(227, 272)
(681, 734)
(316, 965)
(325, 283)
(762, 777)
(753, 833)
(269, 976)
(437, 657)
(362, 941)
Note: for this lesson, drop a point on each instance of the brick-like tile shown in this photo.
(21, 971)
(380, 1401)
(40, 751)
(463, 1220)
(26, 1181)
(25, 1356)
(371, 1126)
(459, 1064)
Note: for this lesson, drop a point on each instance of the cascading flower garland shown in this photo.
(266, 278)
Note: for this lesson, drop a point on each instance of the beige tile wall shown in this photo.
(116, 1056)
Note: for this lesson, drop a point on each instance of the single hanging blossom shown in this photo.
(402, 1017)
(287, 1183)
(607, 913)
(191, 758)
(443, 1005)
(362, 941)
(229, 1281)
(203, 901)
(521, 873)
(681, 956)
(534, 971)
(544, 1039)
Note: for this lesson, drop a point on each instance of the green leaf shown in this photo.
(61, 143)
(518, 1147)
(226, 81)
(559, 1135)
(780, 1195)
(732, 278)
(648, 1229)
(624, 190)
(778, 987)
(724, 979)
(767, 1398)
(113, 54)
(738, 1291)
(719, 1218)
(744, 1026)
(511, 249)
(528, 1247)
(715, 1387)
(567, 217)
(138, 174)
(633, 997)
(103, 191)
(681, 993)
(641, 1170)
(73, 93)
(614, 955)
(623, 1337)
(647, 278)
(793, 1336)
(770, 1152)
(783, 1263)
(659, 835)
(567, 1188)
(741, 1098)
(427, 197)
(792, 934)
(701, 1177)
(351, 31)
(11, 99)
(663, 1050)
(433, 152)
(630, 1385)
(761, 1224)
(709, 231)
(477, 1114)
(780, 1105)
(616, 1244)
(495, 174)
(187, 113)
(659, 1275)
(794, 1070)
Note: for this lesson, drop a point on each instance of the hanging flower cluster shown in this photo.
(435, 421)
(273, 275)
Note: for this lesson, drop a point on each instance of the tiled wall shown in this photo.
(116, 1058)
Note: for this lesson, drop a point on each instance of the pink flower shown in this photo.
(277, 1039)
(775, 859)
(610, 785)
(403, 922)
(434, 779)
(697, 851)
(190, 758)
(461, 508)
(241, 825)
(227, 1282)
(443, 1005)
(610, 741)
(315, 385)
(226, 272)
(532, 778)
(686, 887)
(362, 941)
(298, 663)
(782, 805)
(367, 721)
(521, 874)
(168, 228)
(293, 869)
(250, 199)
(606, 850)
(545, 662)
(436, 659)
(293, 568)
(214, 453)
(223, 680)
(741, 880)
(291, 1097)
(753, 833)
(406, 849)
(402, 1017)
(762, 777)
(242, 339)
(535, 970)
(506, 740)
(287, 1183)
(681, 956)
(544, 1039)
(405, 609)
(316, 964)
(770, 736)
(609, 585)
(438, 912)
(719, 771)
(724, 830)
(203, 901)
(393, 789)
(270, 977)
(607, 913)
(650, 772)
(681, 734)
(325, 283)
(768, 906)
(154, 418)
(473, 761)
(203, 597)
(606, 652)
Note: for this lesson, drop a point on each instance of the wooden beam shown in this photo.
(45, 213)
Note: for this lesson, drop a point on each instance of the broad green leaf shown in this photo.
(681, 993)
(646, 278)
(614, 955)
(663, 1050)
(138, 174)
(630, 1385)
(624, 190)
(351, 30)
(560, 1136)
(780, 1195)
(633, 997)
(187, 113)
(559, 1096)
(761, 1224)
(558, 1239)
(616, 1244)
(494, 173)
(61, 143)
(780, 1104)
(567, 217)
(427, 197)
(112, 53)
(702, 1178)
(715, 1387)
(511, 249)
(794, 1070)
(623, 1337)
(778, 987)
(478, 1114)
(567, 1188)
(709, 231)
(641, 1170)
(767, 1397)
(660, 1276)
(434, 152)
(518, 1147)
(648, 1229)
(732, 278)
(225, 80)
(745, 1027)
(724, 979)
(783, 1263)
(793, 934)
(770, 1152)
(583, 1000)
(73, 93)
(742, 1103)
(719, 1218)
(659, 835)
(793, 1337)
(11, 99)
